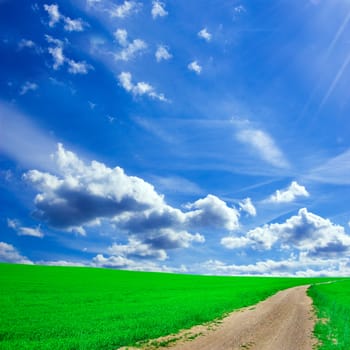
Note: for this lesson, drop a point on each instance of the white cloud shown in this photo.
(79, 196)
(8, 253)
(292, 266)
(289, 194)
(231, 242)
(121, 36)
(135, 47)
(140, 88)
(54, 14)
(195, 67)
(204, 34)
(29, 231)
(73, 25)
(123, 263)
(24, 231)
(78, 67)
(247, 206)
(162, 53)
(158, 9)
(264, 145)
(25, 43)
(56, 51)
(70, 25)
(28, 86)
(212, 211)
(125, 9)
(59, 59)
(137, 248)
(305, 232)
(130, 49)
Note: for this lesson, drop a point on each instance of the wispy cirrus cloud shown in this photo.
(334, 170)
(24, 231)
(264, 145)
(17, 139)
(28, 86)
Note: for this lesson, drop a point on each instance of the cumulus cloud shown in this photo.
(129, 49)
(54, 14)
(289, 194)
(195, 67)
(292, 266)
(78, 67)
(305, 232)
(125, 9)
(247, 206)
(264, 145)
(73, 25)
(137, 248)
(231, 242)
(122, 263)
(163, 53)
(56, 51)
(59, 59)
(24, 231)
(28, 86)
(70, 25)
(158, 9)
(212, 211)
(139, 89)
(9, 254)
(83, 193)
(204, 34)
(80, 195)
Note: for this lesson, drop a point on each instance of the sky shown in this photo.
(177, 136)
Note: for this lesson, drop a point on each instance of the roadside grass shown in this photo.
(332, 303)
(46, 307)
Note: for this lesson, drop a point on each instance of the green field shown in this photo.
(332, 302)
(44, 307)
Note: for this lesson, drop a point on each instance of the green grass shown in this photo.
(44, 307)
(332, 303)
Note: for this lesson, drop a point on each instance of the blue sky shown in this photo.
(176, 136)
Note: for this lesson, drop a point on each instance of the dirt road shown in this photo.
(282, 322)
